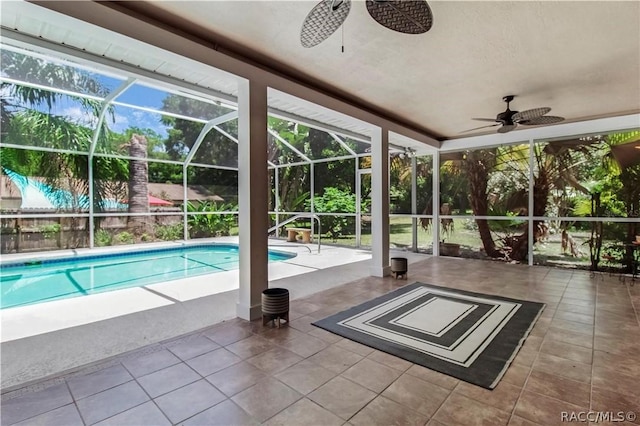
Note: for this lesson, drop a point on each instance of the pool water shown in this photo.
(40, 281)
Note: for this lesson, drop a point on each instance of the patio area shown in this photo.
(138, 125)
(154, 312)
(580, 357)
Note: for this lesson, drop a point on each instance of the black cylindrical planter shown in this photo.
(275, 305)
(399, 267)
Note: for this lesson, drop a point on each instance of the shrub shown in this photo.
(103, 238)
(335, 200)
(211, 224)
(169, 232)
(50, 231)
(125, 238)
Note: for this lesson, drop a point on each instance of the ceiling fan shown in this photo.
(405, 16)
(509, 120)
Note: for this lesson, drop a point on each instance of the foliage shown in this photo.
(29, 119)
(116, 143)
(293, 181)
(125, 237)
(209, 220)
(103, 238)
(215, 149)
(334, 200)
(169, 232)
(506, 228)
(16, 65)
(50, 231)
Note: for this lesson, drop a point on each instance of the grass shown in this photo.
(548, 252)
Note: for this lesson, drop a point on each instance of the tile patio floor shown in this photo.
(583, 354)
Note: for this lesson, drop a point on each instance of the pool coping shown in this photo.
(51, 346)
(10, 268)
(37, 258)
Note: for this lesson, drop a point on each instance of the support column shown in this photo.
(435, 222)
(414, 203)
(253, 200)
(380, 203)
(530, 208)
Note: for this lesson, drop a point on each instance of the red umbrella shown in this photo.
(155, 201)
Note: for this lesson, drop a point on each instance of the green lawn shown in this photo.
(548, 252)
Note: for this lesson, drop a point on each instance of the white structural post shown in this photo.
(276, 190)
(380, 203)
(414, 203)
(253, 198)
(531, 205)
(435, 221)
(312, 171)
(358, 186)
(185, 200)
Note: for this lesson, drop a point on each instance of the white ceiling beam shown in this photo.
(309, 122)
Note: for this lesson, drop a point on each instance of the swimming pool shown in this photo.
(28, 282)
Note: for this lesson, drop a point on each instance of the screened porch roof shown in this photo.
(527, 55)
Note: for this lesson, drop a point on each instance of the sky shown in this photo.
(122, 116)
(125, 117)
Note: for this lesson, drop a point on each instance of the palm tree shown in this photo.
(558, 165)
(478, 165)
(27, 119)
(138, 183)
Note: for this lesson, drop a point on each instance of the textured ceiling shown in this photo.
(582, 59)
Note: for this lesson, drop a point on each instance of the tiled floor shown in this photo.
(582, 355)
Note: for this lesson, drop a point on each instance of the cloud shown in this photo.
(129, 117)
(118, 122)
(79, 116)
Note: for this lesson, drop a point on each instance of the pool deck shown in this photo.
(47, 339)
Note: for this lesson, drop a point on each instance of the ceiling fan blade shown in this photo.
(481, 127)
(492, 120)
(405, 16)
(530, 114)
(545, 119)
(323, 20)
(507, 128)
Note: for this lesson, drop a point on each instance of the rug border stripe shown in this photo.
(517, 349)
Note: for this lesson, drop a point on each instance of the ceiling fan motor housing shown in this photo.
(506, 117)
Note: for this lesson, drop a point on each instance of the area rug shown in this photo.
(470, 336)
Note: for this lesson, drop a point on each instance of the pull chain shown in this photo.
(343, 38)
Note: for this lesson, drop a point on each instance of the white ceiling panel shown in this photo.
(582, 59)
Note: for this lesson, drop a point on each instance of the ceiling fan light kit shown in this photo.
(509, 120)
(405, 16)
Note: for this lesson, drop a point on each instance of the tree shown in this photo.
(293, 180)
(478, 164)
(16, 97)
(138, 182)
(215, 149)
(27, 120)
